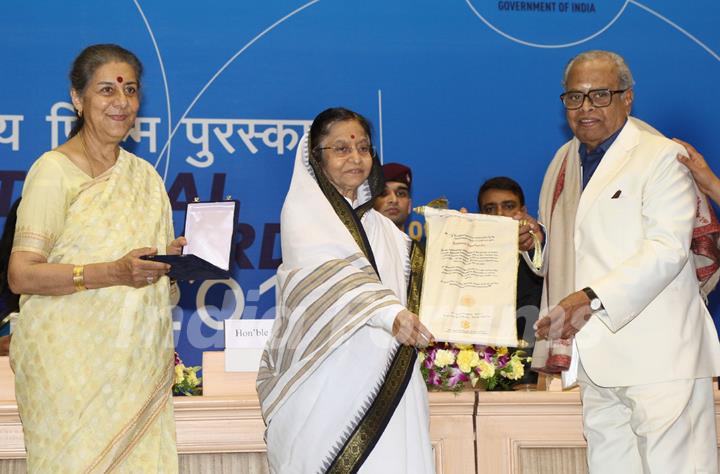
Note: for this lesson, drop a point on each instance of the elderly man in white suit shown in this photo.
(619, 211)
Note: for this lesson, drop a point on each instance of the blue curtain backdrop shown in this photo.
(459, 90)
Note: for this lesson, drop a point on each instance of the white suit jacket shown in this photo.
(634, 251)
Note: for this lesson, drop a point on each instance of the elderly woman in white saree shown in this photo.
(339, 382)
(93, 350)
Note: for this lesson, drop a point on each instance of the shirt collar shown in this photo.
(602, 148)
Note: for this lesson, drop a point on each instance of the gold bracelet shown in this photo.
(79, 277)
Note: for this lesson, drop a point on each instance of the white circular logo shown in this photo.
(548, 24)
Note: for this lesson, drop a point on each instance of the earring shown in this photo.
(79, 113)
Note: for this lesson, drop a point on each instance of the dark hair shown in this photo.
(9, 299)
(89, 60)
(320, 127)
(504, 183)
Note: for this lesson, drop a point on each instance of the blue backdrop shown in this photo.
(459, 90)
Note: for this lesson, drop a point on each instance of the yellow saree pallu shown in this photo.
(94, 369)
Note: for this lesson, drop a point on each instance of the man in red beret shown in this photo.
(395, 203)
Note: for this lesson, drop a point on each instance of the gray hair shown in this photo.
(625, 79)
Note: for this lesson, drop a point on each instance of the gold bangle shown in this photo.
(79, 277)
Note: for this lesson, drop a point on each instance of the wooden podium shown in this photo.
(451, 415)
(222, 431)
(471, 432)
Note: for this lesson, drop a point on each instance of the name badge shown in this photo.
(244, 343)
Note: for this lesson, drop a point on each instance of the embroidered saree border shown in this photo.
(315, 310)
(29, 241)
(366, 434)
(124, 442)
(417, 268)
(269, 385)
(294, 339)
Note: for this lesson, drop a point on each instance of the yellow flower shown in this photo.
(518, 370)
(467, 359)
(192, 379)
(444, 357)
(487, 370)
(464, 347)
(501, 351)
(422, 356)
(179, 375)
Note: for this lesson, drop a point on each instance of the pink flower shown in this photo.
(433, 378)
(429, 361)
(456, 376)
(488, 354)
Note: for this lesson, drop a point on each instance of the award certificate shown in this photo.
(470, 278)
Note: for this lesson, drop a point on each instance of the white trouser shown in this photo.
(657, 428)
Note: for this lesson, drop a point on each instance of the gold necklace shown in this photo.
(85, 154)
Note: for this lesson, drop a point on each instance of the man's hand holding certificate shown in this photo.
(470, 278)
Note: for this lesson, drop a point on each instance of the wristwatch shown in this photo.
(595, 303)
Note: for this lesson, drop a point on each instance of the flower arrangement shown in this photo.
(447, 366)
(186, 380)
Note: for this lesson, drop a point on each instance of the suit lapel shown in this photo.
(615, 158)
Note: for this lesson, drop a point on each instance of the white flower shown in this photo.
(487, 370)
(518, 370)
(467, 359)
(444, 357)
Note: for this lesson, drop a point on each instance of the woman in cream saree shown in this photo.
(93, 350)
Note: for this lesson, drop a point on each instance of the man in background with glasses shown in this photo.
(620, 283)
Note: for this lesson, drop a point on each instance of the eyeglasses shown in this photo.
(342, 150)
(598, 98)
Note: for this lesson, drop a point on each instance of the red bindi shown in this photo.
(120, 79)
(352, 136)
